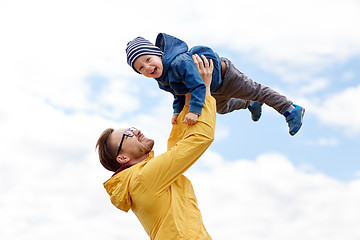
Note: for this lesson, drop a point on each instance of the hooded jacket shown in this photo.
(156, 190)
(180, 75)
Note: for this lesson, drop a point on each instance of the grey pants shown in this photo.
(238, 90)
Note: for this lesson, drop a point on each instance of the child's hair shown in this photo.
(138, 47)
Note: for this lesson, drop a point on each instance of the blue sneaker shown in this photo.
(294, 119)
(255, 110)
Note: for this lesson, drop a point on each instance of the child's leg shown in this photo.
(225, 105)
(238, 85)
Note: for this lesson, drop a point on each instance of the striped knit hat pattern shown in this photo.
(139, 47)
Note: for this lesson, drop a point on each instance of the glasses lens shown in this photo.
(130, 132)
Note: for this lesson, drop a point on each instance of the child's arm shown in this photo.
(175, 115)
(174, 118)
(178, 104)
(185, 70)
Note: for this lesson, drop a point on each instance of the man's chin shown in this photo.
(149, 146)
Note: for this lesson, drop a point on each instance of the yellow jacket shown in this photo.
(156, 190)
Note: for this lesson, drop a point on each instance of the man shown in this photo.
(154, 188)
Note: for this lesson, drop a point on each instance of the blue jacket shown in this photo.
(180, 75)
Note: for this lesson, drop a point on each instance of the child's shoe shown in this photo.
(294, 119)
(255, 110)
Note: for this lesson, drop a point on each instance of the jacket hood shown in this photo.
(118, 189)
(118, 185)
(171, 47)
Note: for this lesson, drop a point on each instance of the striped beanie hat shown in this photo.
(138, 47)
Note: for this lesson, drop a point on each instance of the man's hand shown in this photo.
(205, 69)
(190, 118)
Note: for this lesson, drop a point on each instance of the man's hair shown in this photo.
(106, 154)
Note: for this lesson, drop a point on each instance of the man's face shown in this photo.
(149, 65)
(134, 145)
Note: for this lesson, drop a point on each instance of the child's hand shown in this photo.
(190, 118)
(174, 118)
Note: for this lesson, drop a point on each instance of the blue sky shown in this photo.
(327, 148)
(64, 79)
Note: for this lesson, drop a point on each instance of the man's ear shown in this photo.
(122, 159)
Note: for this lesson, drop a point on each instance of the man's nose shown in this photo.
(137, 132)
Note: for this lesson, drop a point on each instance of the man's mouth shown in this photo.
(141, 137)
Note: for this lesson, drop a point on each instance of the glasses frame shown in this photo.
(127, 133)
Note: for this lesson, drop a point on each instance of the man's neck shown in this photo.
(139, 159)
(131, 163)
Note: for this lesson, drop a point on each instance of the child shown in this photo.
(170, 62)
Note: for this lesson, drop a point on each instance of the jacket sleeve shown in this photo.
(178, 130)
(179, 102)
(186, 143)
(186, 70)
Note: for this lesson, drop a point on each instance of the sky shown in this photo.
(64, 79)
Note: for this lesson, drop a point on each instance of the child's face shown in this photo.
(149, 65)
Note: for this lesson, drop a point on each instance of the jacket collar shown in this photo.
(123, 167)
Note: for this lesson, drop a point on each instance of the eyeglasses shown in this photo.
(127, 133)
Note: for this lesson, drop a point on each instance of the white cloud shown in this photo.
(51, 178)
(314, 85)
(54, 52)
(339, 110)
(348, 75)
(323, 142)
(267, 198)
(270, 198)
(285, 37)
(221, 132)
(50, 48)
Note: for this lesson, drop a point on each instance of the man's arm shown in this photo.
(195, 139)
(206, 75)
